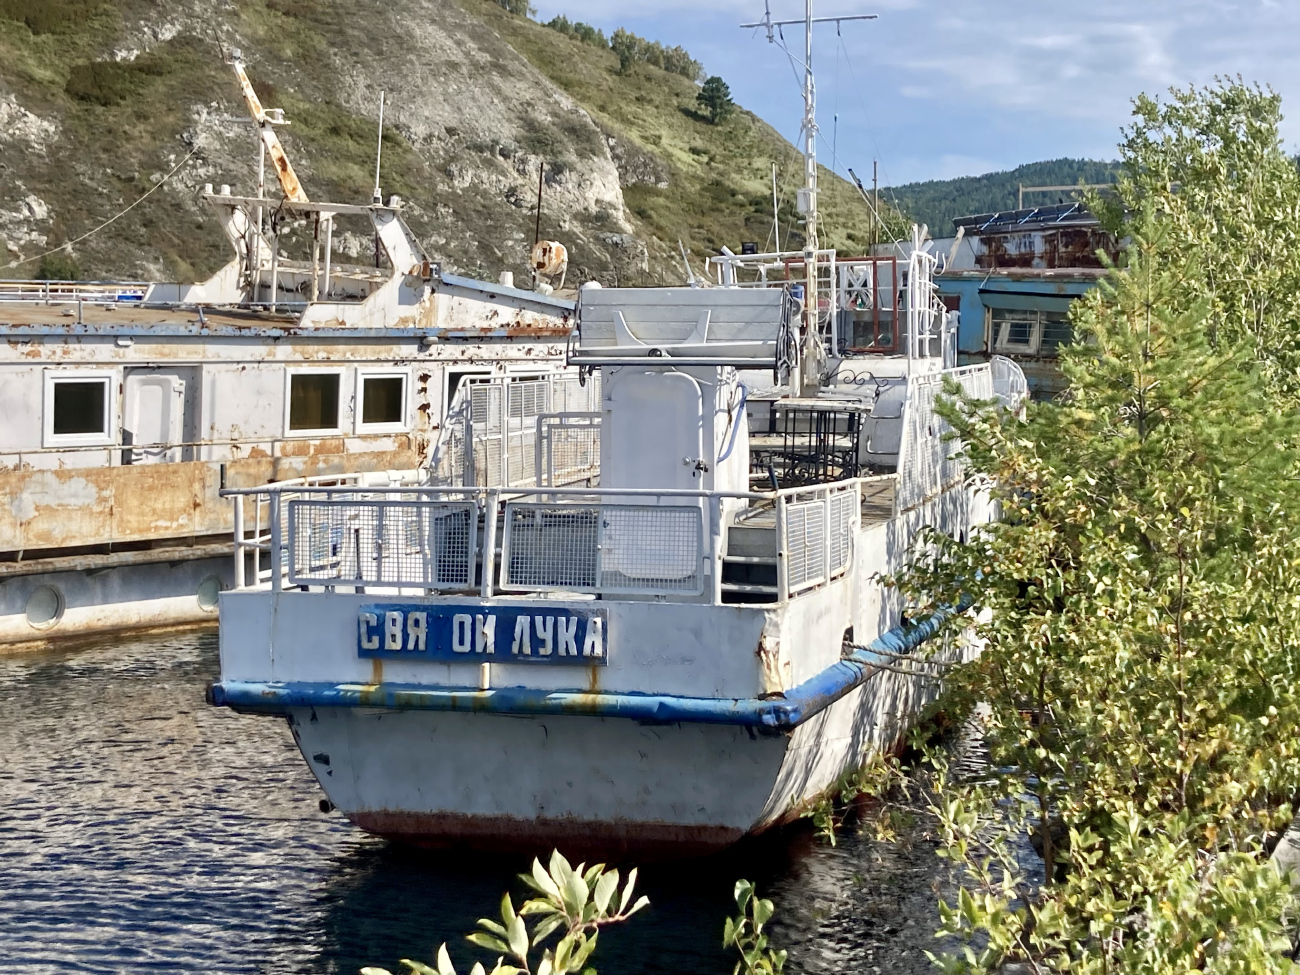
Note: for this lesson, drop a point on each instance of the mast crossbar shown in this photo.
(815, 20)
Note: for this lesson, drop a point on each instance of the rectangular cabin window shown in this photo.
(1030, 332)
(314, 401)
(80, 407)
(1015, 331)
(1056, 331)
(383, 400)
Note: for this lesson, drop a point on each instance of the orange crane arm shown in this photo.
(279, 159)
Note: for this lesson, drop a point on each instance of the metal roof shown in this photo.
(1031, 218)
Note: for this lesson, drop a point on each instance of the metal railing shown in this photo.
(667, 544)
(60, 291)
(817, 526)
(611, 549)
(382, 542)
(259, 518)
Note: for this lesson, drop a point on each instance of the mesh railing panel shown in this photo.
(805, 552)
(602, 548)
(650, 548)
(550, 547)
(843, 505)
(929, 460)
(385, 543)
(489, 436)
(570, 450)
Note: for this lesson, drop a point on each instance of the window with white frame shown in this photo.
(1017, 331)
(381, 401)
(79, 408)
(312, 401)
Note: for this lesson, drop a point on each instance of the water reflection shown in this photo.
(141, 830)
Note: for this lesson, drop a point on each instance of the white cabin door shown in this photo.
(652, 437)
(154, 417)
(652, 433)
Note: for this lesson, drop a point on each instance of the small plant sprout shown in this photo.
(575, 902)
(744, 932)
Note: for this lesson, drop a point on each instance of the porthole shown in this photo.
(44, 607)
(209, 594)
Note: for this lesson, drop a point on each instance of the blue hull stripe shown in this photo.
(780, 714)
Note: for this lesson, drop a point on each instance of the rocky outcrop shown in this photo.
(470, 121)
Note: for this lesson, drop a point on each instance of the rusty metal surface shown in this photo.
(1069, 247)
(49, 509)
(610, 840)
(283, 168)
(19, 313)
(113, 560)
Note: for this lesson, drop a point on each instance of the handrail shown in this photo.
(296, 485)
(820, 557)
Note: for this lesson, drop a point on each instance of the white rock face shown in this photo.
(480, 118)
(27, 129)
(21, 224)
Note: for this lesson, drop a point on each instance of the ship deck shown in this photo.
(877, 506)
(100, 315)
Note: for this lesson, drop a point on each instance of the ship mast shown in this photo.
(811, 354)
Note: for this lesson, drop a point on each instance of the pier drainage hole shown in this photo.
(44, 607)
(209, 593)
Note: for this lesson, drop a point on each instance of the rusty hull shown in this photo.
(608, 840)
(51, 509)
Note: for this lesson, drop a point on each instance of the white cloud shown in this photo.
(991, 82)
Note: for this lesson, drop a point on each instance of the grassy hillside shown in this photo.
(938, 202)
(100, 98)
(718, 177)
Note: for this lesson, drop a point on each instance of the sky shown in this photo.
(940, 88)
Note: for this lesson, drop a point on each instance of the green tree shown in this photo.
(1209, 162)
(627, 47)
(1141, 606)
(715, 97)
(521, 8)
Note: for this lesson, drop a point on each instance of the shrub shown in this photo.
(632, 49)
(59, 266)
(521, 8)
(575, 903)
(110, 83)
(578, 31)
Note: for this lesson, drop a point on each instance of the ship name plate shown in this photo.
(480, 634)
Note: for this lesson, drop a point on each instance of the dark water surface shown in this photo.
(143, 831)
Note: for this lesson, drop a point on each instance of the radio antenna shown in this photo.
(809, 374)
(379, 150)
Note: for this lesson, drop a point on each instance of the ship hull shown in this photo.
(590, 786)
(174, 588)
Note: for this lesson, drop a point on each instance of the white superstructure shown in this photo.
(128, 407)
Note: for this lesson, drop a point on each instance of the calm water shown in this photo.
(143, 831)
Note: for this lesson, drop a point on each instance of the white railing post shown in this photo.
(826, 536)
(716, 546)
(537, 456)
(782, 566)
(489, 542)
(277, 582)
(239, 541)
(257, 540)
